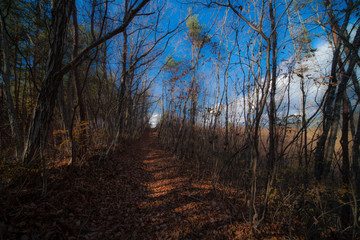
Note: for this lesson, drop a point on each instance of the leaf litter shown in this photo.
(139, 193)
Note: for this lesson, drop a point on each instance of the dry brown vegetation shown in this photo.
(259, 134)
(142, 192)
(296, 201)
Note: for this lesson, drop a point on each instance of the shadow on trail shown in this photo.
(175, 207)
(141, 193)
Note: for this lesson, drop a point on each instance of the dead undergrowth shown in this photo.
(141, 192)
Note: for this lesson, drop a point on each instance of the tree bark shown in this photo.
(76, 75)
(43, 112)
(40, 122)
(14, 124)
(328, 110)
(123, 85)
(272, 114)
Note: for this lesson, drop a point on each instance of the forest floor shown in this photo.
(140, 193)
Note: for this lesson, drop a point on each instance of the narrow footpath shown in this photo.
(139, 193)
(173, 205)
(164, 201)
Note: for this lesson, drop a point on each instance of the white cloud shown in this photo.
(154, 120)
(316, 69)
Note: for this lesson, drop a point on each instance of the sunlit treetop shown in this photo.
(196, 34)
(171, 62)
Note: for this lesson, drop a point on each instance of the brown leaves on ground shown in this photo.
(142, 193)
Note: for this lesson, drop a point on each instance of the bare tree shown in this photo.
(61, 11)
(6, 75)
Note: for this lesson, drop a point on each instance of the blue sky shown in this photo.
(212, 19)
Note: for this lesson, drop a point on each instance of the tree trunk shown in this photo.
(272, 114)
(36, 46)
(328, 110)
(79, 87)
(6, 75)
(123, 84)
(40, 122)
(346, 210)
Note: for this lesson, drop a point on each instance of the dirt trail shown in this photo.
(140, 193)
(174, 205)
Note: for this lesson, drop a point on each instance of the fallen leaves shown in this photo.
(140, 193)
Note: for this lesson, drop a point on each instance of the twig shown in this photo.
(197, 199)
(83, 225)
